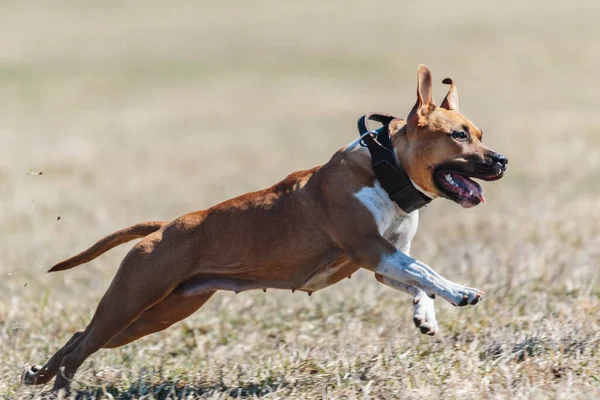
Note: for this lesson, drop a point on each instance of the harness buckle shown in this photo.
(372, 134)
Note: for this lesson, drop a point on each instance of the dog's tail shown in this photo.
(103, 245)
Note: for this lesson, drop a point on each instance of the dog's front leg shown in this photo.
(378, 255)
(424, 314)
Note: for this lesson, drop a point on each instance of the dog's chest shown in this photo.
(393, 224)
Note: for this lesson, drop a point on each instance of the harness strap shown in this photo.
(389, 173)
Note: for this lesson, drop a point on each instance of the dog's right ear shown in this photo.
(450, 102)
(395, 125)
(424, 102)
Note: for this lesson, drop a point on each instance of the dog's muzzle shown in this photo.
(454, 179)
(493, 168)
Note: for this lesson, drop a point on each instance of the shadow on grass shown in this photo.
(176, 389)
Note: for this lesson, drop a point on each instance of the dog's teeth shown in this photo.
(471, 193)
(448, 178)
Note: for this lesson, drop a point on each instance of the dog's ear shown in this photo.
(424, 97)
(450, 102)
(395, 125)
(424, 102)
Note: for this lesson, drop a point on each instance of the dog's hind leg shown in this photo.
(37, 375)
(143, 280)
(160, 316)
(182, 302)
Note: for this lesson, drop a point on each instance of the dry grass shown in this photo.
(136, 111)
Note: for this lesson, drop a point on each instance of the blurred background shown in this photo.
(115, 112)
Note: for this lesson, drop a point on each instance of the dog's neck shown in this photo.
(361, 155)
(400, 143)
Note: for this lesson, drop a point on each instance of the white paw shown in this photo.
(424, 316)
(461, 296)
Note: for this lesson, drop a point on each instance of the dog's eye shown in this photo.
(459, 135)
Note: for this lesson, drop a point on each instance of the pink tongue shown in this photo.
(468, 185)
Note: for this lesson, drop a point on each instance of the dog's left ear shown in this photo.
(424, 102)
(424, 97)
(450, 102)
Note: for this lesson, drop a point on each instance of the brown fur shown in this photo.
(305, 233)
(136, 231)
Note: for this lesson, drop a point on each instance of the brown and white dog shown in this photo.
(305, 233)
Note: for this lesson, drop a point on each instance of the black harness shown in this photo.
(389, 173)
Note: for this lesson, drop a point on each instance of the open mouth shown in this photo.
(461, 188)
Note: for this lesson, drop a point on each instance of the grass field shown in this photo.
(136, 111)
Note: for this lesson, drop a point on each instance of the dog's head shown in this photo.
(442, 150)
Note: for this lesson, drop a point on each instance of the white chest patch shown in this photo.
(393, 223)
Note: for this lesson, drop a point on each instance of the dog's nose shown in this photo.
(501, 159)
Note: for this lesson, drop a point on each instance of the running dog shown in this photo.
(307, 232)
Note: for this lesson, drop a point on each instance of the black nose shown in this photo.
(498, 158)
